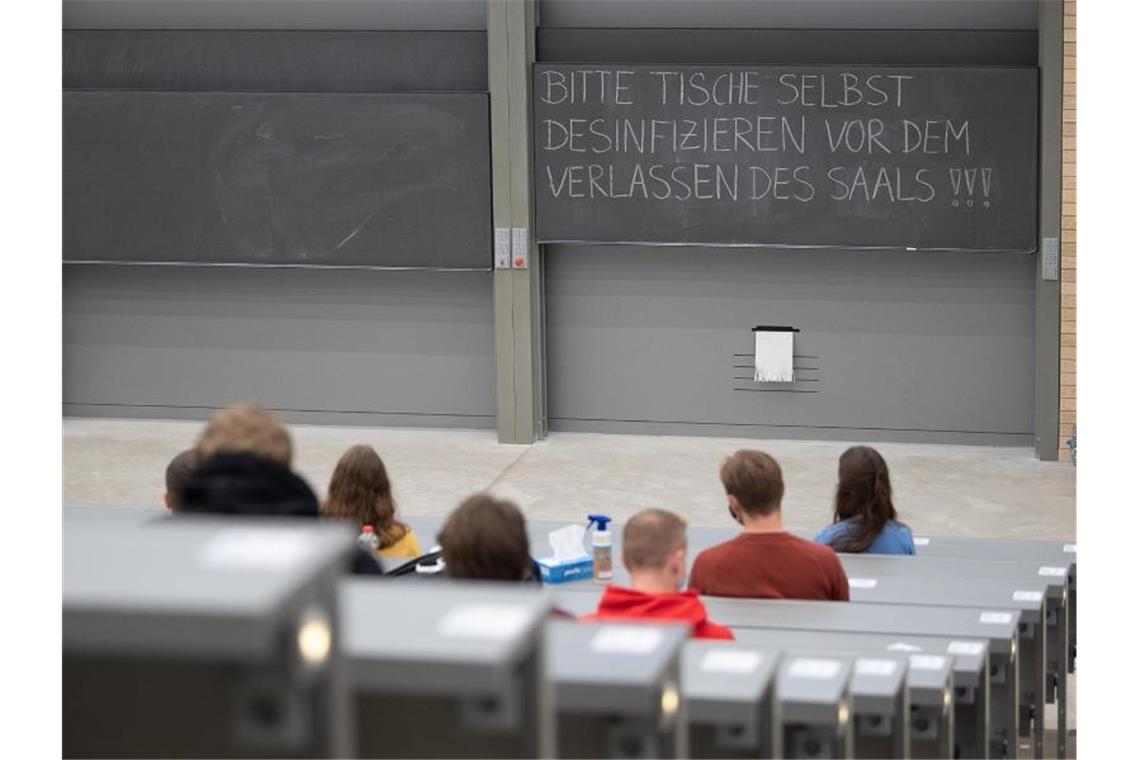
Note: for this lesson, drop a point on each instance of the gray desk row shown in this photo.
(1051, 560)
(231, 637)
(893, 594)
(624, 690)
(1033, 579)
(995, 702)
(911, 603)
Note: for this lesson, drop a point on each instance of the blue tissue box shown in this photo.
(579, 568)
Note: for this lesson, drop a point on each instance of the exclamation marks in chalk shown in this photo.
(967, 180)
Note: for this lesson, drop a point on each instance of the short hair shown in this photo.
(246, 429)
(177, 473)
(485, 538)
(754, 478)
(650, 537)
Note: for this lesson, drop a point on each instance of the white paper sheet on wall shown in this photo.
(774, 356)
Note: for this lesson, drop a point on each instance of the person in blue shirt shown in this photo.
(865, 518)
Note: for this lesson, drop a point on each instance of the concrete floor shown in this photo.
(961, 490)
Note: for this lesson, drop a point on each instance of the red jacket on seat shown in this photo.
(620, 603)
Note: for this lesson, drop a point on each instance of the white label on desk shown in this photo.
(862, 582)
(1027, 596)
(902, 646)
(626, 639)
(810, 667)
(1052, 572)
(996, 618)
(927, 662)
(1069, 548)
(730, 661)
(489, 622)
(268, 549)
(966, 647)
(921, 541)
(866, 666)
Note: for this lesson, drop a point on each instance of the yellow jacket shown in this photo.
(407, 546)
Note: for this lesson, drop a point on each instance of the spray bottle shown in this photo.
(603, 548)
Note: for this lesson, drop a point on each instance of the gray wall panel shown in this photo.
(274, 14)
(917, 347)
(373, 343)
(777, 14)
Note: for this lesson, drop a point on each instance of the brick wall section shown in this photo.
(1068, 401)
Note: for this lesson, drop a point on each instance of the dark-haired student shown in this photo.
(653, 545)
(485, 538)
(177, 473)
(360, 491)
(865, 518)
(764, 561)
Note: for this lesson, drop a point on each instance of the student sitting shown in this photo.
(653, 551)
(360, 490)
(244, 468)
(485, 539)
(177, 473)
(764, 561)
(865, 517)
(244, 457)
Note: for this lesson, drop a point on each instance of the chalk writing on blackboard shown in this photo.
(764, 147)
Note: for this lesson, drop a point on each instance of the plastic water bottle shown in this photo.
(368, 540)
(603, 546)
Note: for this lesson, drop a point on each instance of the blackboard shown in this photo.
(282, 179)
(915, 158)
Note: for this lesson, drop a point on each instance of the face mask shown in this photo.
(682, 578)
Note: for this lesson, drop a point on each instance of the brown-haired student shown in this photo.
(865, 518)
(485, 538)
(360, 491)
(179, 470)
(764, 561)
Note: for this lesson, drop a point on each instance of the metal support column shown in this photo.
(519, 328)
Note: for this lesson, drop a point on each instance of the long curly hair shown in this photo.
(863, 496)
(360, 491)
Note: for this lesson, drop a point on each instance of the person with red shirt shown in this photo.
(653, 551)
(764, 561)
